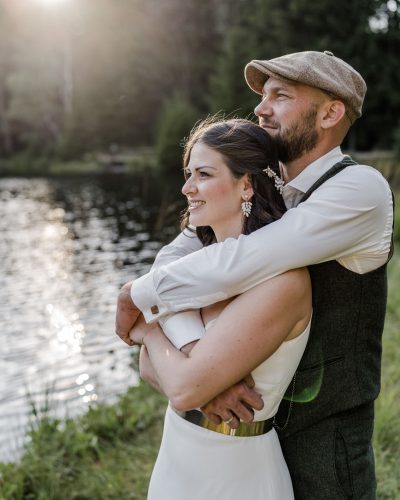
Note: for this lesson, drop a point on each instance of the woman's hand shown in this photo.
(141, 329)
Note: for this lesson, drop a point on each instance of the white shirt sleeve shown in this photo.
(184, 244)
(348, 217)
(183, 327)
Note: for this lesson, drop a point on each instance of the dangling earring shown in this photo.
(246, 207)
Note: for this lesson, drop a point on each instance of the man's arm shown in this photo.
(185, 243)
(184, 327)
(347, 216)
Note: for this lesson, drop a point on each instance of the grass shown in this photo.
(387, 427)
(107, 453)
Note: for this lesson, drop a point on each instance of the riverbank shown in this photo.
(127, 161)
(109, 452)
(143, 159)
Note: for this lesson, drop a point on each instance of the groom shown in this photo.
(339, 223)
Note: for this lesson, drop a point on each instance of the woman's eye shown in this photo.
(204, 174)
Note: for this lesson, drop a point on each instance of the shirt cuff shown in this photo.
(183, 327)
(145, 298)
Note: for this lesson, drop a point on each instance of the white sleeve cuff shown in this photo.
(143, 294)
(183, 327)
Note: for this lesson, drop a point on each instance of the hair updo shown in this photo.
(246, 149)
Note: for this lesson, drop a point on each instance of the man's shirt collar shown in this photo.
(315, 170)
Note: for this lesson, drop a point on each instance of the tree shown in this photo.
(176, 121)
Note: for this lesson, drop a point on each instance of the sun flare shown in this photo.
(50, 2)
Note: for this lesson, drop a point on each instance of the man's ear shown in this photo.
(332, 113)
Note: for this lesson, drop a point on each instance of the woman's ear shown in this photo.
(332, 113)
(247, 191)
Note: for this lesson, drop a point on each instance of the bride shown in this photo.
(232, 188)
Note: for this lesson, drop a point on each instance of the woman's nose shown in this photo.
(188, 187)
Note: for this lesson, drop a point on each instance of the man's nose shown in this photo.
(263, 108)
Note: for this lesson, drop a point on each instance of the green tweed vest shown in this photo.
(340, 368)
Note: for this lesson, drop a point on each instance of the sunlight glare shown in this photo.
(50, 2)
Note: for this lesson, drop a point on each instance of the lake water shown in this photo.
(66, 246)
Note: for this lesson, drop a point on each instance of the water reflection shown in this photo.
(67, 246)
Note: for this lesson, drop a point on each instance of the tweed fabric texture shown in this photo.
(322, 70)
(341, 366)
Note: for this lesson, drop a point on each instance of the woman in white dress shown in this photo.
(233, 187)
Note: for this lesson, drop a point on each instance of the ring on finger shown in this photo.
(229, 420)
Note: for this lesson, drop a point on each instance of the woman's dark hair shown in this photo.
(246, 149)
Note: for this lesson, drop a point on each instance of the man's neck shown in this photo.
(292, 169)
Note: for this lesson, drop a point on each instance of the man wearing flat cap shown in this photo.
(339, 223)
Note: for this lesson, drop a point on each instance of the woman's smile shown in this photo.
(195, 204)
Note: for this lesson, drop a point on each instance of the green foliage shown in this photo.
(176, 121)
(396, 144)
(26, 161)
(387, 426)
(396, 232)
(106, 454)
(74, 80)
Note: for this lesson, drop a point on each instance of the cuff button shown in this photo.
(154, 310)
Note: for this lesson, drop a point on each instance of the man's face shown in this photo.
(288, 113)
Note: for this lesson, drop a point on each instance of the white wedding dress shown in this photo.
(199, 464)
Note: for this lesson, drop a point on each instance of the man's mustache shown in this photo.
(265, 122)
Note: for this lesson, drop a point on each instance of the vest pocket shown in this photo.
(320, 364)
(309, 380)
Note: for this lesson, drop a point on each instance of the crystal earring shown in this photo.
(246, 207)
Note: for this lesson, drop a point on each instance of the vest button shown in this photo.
(328, 52)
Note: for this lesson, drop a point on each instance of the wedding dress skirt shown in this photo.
(198, 464)
(195, 463)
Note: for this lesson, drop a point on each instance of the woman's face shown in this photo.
(214, 195)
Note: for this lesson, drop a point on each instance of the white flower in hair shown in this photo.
(279, 183)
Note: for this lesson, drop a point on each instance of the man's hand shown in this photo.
(234, 404)
(127, 314)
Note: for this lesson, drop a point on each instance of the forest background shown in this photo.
(81, 76)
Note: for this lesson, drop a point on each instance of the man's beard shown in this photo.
(298, 139)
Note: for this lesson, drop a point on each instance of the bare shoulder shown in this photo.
(295, 282)
(290, 291)
(298, 278)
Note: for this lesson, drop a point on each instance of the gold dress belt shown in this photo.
(244, 429)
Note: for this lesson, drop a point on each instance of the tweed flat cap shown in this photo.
(318, 69)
